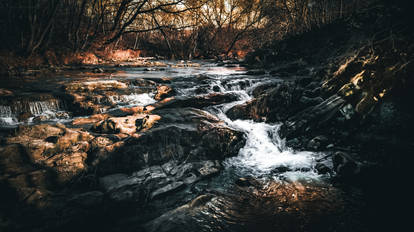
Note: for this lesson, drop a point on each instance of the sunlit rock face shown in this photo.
(93, 97)
(61, 150)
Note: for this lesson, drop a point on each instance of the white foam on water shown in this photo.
(265, 151)
(8, 121)
(143, 99)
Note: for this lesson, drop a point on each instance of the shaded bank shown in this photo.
(349, 93)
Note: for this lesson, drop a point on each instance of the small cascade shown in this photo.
(40, 107)
(25, 110)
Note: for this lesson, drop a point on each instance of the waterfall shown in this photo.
(39, 107)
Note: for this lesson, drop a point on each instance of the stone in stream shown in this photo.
(345, 166)
(322, 168)
(157, 181)
(94, 97)
(318, 142)
(55, 148)
(275, 104)
(291, 206)
(163, 92)
(180, 134)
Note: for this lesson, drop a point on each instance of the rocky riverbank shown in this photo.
(308, 139)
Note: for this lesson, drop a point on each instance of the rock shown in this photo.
(209, 168)
(24, 116)
(307, 101)
(163, 92)
(312, 118)
(96, 97)
(294, 143)
(157, 181)
(345, 166)
(317, 143)
(127, 125)
(6, 92)
(304, 81)
(175, 219)
(167, 189)
(40, 118)
(91, 86)
(243, 182)
(322, 168)
(275, 105)
(281, 169)
(13, 160)
(262, 88)
(98, 70)
(55, 148)
(216, 88)
(88, 199)
(181, 134)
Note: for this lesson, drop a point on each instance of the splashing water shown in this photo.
(134, 99)
(265, 153)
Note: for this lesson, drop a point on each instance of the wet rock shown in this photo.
(345, 166)
(6, 92)
(180, 134)
(96, 97)
(40, 118)
(307, 101)
(261, 89)
(209, 168)
(304, 81)
(294, 143)
(318, 143)
(24, 116)
(216, 88)
(157, 181)
(95, 85)
(163, 92)
(243, 182)
(321, 168)
(313, 117)
(274, 105)
(281, 169)
(98, 70)
(167, 189)
(88, 199)
(55, 148)
(178, 218)
(127, 125)
(13, 160)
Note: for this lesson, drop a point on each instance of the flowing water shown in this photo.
(265, 155)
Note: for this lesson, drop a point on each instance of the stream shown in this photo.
(291, 189)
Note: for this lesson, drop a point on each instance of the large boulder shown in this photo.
(55, 148)
(181, 134)
(273, 105)
(156, 181)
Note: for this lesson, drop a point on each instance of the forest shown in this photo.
(206, 115)
(171, 28)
